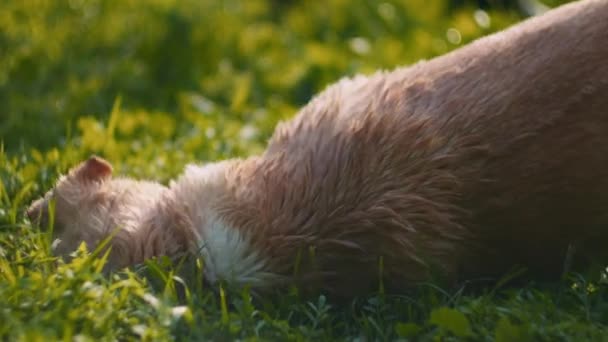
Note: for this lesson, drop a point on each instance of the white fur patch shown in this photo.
(229, 256)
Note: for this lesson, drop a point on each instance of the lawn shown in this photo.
(152, 85)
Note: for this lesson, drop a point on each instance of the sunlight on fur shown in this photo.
(491, 156)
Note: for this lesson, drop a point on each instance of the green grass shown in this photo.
(152, 85)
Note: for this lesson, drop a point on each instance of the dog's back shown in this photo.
(492, 155)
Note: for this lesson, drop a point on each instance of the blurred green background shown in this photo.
(63, 64)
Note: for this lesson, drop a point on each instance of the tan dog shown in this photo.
(493, 155)
(90, 206)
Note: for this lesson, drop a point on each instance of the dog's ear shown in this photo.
(93, 169)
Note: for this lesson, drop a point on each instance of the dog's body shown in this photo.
(493, 155)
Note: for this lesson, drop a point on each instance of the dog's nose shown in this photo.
(33, 210)
(30, 213)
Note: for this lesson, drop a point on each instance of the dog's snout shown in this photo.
(31, 214)
(33, 211)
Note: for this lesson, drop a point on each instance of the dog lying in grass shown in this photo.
(491, 156)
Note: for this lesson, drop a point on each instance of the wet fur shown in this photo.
(490, 156)
(90, 206)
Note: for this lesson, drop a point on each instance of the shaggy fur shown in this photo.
(493, 155)
(90, 206)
